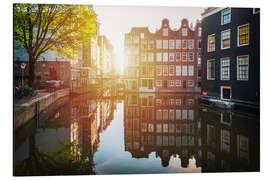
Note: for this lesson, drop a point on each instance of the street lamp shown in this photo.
(23, 66)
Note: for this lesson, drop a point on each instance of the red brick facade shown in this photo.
(164, 61)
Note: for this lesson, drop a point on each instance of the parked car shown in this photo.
(52, 85)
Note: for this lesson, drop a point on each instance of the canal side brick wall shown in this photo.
(27, 111)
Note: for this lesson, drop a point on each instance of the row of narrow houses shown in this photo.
(219, 57)
(165, 61)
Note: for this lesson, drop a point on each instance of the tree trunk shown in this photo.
(31, 75)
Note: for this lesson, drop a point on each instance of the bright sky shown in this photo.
(118, 20)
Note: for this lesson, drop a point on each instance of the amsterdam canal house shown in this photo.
(231, 55)
(165, 61)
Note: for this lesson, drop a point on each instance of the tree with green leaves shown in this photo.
(40, 28)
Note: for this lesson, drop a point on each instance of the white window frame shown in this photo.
(159, 44)
(171, 54)
(191, 70)
(183, 56)
(177, 70)
(184, 41)
(159, 57)
(184, 70)
(221, 69)
(176, 60)
(238, 68)
(171, 44)
(184, 32)
(171, 67)
(165, 32)
(208, 43)
(208, 78)
(165, 44)
(222, 22)
(191, 59)
(177, 44)
(221, 91)
(238, 27)
(221, 37)
(165, 57)
(190, 44)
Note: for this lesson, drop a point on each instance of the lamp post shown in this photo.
(23, 65)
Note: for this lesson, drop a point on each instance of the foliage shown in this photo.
(53, 27)
(65, 161)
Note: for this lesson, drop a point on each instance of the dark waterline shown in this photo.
(141, 133)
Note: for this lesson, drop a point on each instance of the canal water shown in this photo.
(137, 133)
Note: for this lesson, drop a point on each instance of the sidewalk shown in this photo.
(27, 108)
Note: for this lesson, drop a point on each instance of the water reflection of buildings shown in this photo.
(79, 121)
(174, 126)
(230, 141)
(89, 118)
(166, 124)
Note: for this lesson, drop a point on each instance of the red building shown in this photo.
(165, 61)
(54, 70)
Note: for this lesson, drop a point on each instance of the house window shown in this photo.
(184, 70)
(226, 16)
(136, 39)
(144, 82)
(165, 70)
(178, 114)
(143, 58)
(242, 67)
(225, 141)
(199, 44)
(190, 83)
(190, 70)
(211, 69)
(150, 44)
(171, 57)
(159, 44)
(243, 35)
(225, 92)
(199, 59)
(165, 32)
(190, 44)
(165, 57)
(184, 44)
(159, 57)
(150, 57)
(171, 70)
(184, 32)
(159, 70)
(165, 114)
(225, 68)
(211, 43)
(171, 83)
(191, 56)
(242, 147)
(177, 83)
(178, 44)
(159, 83)
(178, 57)
(143, 44)
(184, 56)
(143, 71)
(158, 101)
(199, 31)
(150, 86)
(171, 115)
(165, 44)
(142, 35)
(225, 39)
(171, 44)
(178, 70)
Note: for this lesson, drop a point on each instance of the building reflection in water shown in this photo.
(79, 122)
(166, 124)
(188, 136)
